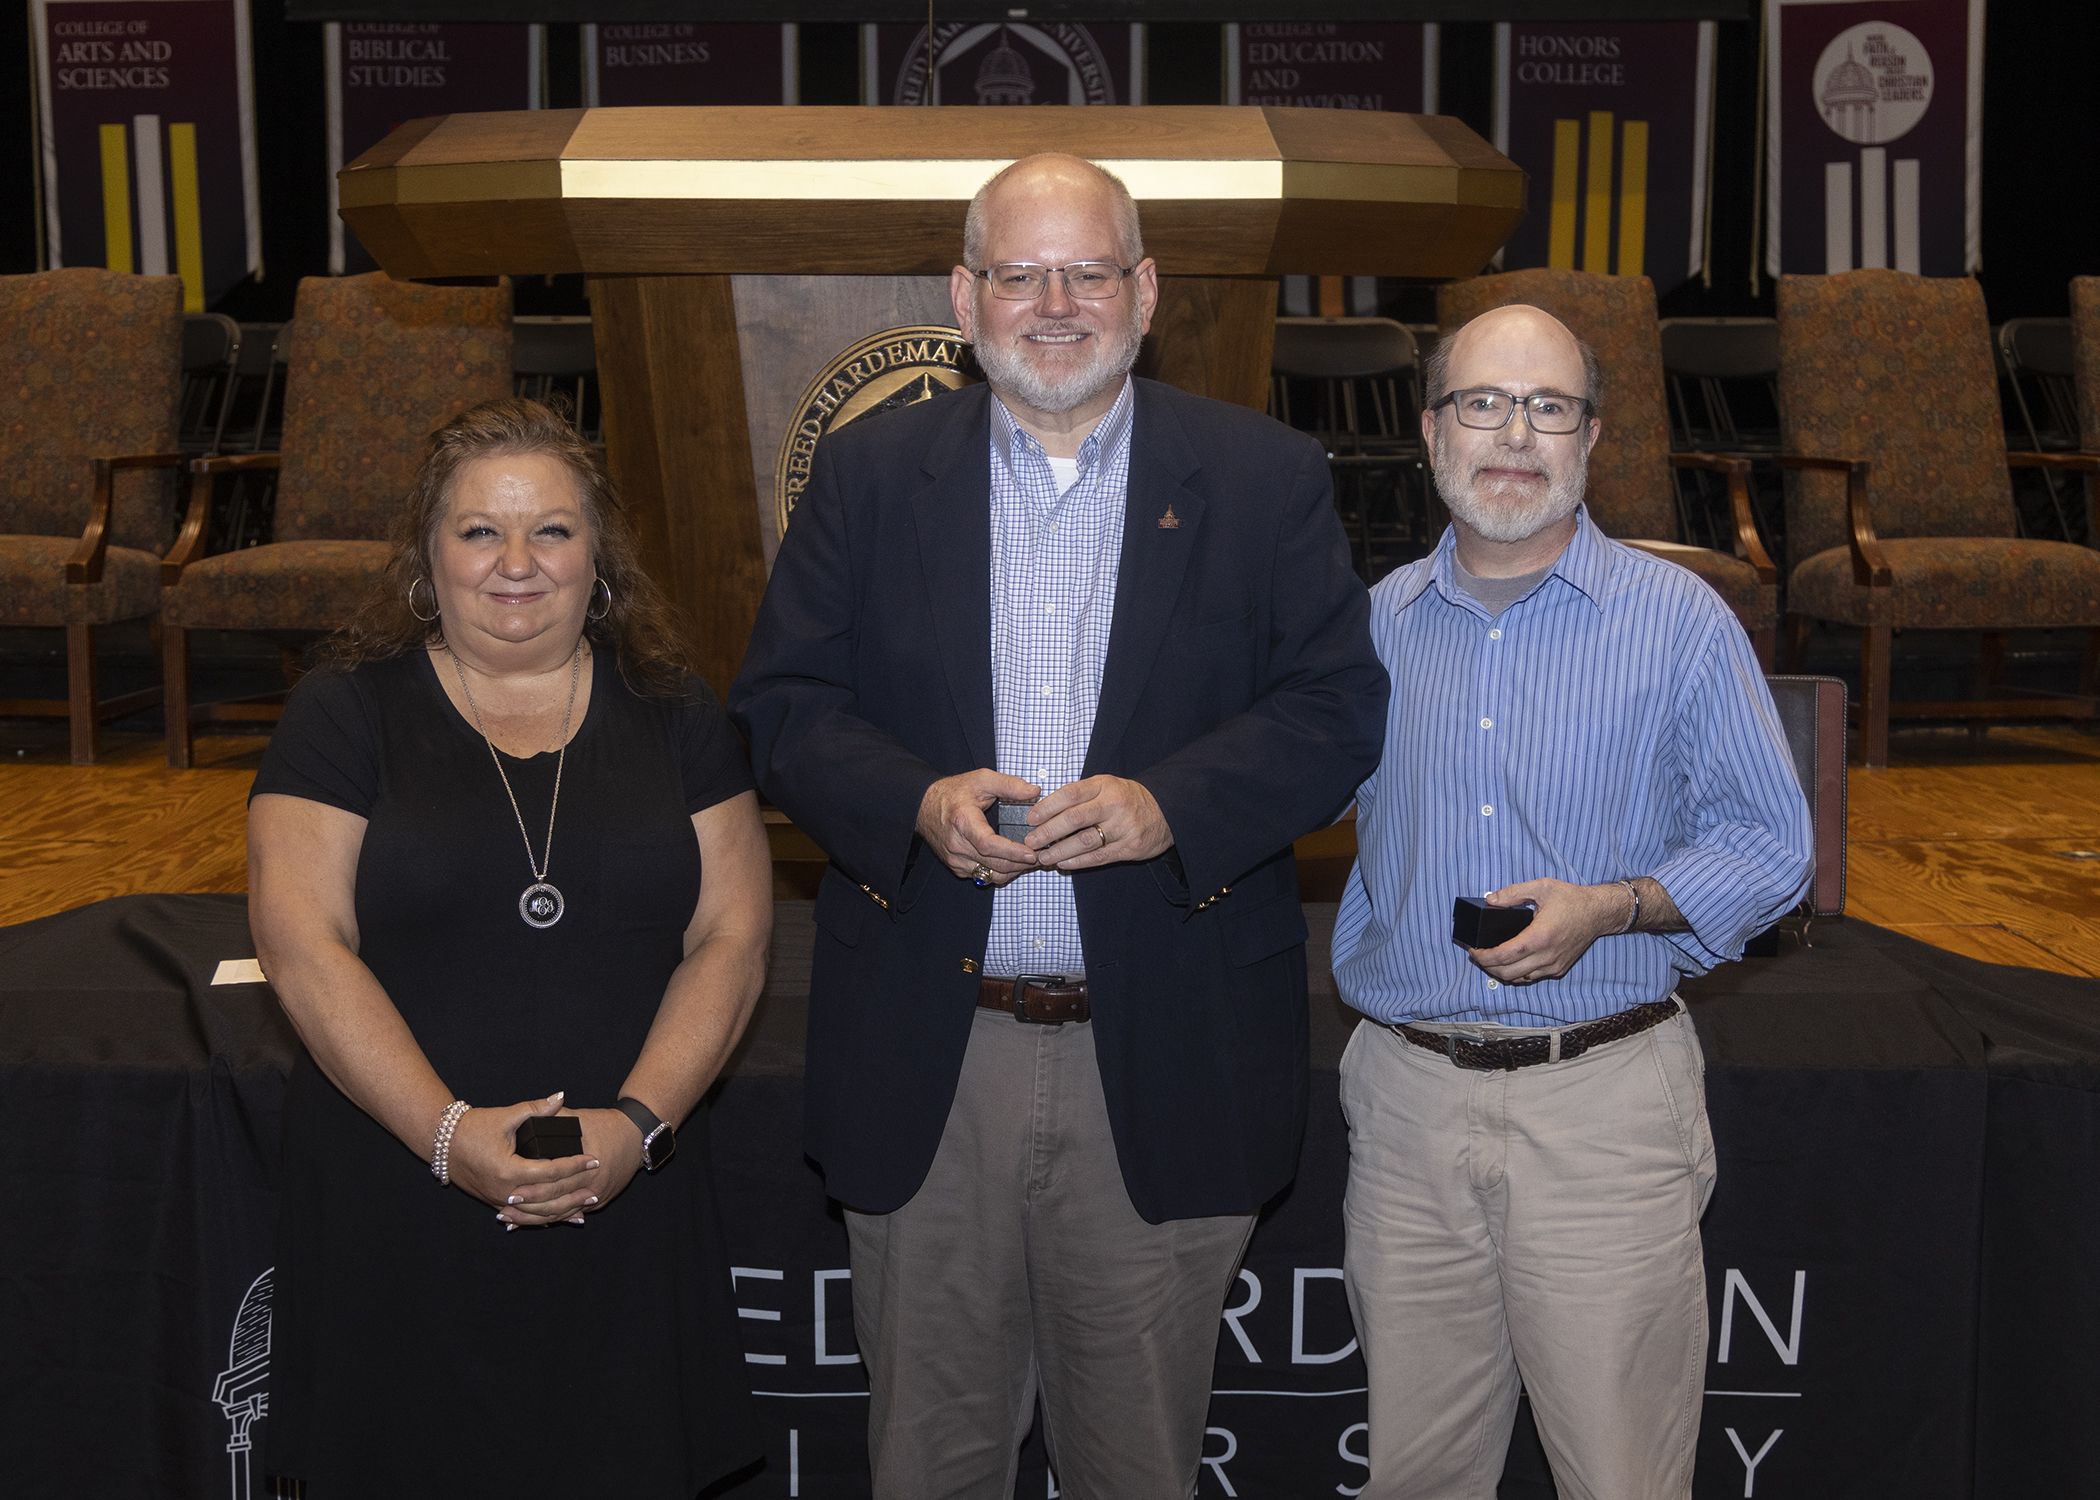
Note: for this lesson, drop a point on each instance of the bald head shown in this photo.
(1521, 337)
(1050, 181)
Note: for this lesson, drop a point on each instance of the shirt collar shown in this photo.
(1007, 434)
(1585, 564)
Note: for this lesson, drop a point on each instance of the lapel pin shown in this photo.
(1170, 521)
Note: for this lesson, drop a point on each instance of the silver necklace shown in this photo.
(541, 904)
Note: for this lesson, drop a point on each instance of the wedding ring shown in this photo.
(1101, 834)
(980, 877)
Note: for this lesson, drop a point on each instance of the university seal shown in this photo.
(897, 367)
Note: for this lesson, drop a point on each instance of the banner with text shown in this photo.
(1874, 136)
(680, 63)
(1015, 62)
(146, 125)
(384, 74)
(1625, 196)
(1332, 65)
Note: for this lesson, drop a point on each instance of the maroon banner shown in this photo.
(1873, 148)
(1017, 62)
(682, 63)
(1332, 65)
(146, 122)
(1610, 120)
(384, 74)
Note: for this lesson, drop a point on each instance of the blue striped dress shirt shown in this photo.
(1055, 559)
(1612, 722)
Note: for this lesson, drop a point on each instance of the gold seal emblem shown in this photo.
(897, 367)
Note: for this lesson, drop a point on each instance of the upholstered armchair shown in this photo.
(1632, 486)
(1899, 499)
(91, 367)
(375, 366)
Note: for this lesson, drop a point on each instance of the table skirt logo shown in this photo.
(242, 1390)
(896, 367)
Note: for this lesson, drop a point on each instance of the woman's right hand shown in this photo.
(523, 1191)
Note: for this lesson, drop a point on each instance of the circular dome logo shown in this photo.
(1011, 63)
(1873, 83)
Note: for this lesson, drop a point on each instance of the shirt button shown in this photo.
(1493, 985)
(1486, 811)
(1053, 527)
(1493, 635)
(1039, 942)
(1044, 690)
(1487, 723)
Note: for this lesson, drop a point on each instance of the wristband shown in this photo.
(1635, 892)
(441, 1144)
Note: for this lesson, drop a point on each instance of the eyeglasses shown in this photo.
(1022, 282)
(1490, 410)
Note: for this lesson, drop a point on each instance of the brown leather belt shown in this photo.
(1045, 999)
(1511, 1053)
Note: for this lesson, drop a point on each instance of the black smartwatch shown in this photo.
(658, 1139)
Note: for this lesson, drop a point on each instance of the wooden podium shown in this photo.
(732, 253)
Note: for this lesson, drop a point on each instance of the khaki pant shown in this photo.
(1020, 1267)
(1539, 1226)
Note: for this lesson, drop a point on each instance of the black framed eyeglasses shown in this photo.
(1023, 282)
(1489, 410)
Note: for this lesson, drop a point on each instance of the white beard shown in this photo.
(1012, 366)
(1506, 518)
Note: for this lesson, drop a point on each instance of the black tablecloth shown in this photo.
(1900, 1251)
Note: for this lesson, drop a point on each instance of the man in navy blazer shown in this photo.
(1053, 1075)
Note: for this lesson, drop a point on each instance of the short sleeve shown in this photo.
(326, 747)
(711, 759)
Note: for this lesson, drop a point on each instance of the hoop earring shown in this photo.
(597, 584)
(434, 611)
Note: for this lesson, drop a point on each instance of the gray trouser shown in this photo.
(1020, 1266)
(1541, 1224)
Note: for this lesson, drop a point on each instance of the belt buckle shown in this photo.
(1021, 983)
(1451, 1041)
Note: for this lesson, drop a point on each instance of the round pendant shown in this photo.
(540, 906)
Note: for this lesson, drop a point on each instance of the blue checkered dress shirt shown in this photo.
(1612, 722)
(1054, 562)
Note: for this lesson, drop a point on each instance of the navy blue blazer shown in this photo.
(1240, 688)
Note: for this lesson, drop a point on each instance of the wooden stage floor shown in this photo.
(1988, 847)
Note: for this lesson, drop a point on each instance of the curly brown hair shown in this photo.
(641, 628)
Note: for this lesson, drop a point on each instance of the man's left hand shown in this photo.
(1569, 918)
(1103, 820)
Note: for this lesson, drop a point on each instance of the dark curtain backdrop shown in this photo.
(2034, 172)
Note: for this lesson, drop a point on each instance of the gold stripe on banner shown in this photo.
(1596, 204)
(116, 200)
(189, 233)
(1567, 165)
(1633, 196)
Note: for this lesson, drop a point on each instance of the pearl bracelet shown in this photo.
(441, 1147)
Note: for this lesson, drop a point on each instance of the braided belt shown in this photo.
(1511, 1053)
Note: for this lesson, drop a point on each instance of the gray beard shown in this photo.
(1008, 367)
(1508, 520)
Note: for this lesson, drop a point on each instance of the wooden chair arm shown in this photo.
(189, 546)
(85, 565)
(2077, 463)
(235, 463)
(1870, 569)
(1749, 546)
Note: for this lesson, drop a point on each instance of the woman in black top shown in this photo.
(476, 861)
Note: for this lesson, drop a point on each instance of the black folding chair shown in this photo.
(211, 352)
(2035, 354)
(551, 353)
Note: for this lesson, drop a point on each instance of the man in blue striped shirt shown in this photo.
(1582, 729)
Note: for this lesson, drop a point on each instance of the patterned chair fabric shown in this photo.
(1896, 369)
(375, 366)
(90, 366)
(2085, 358)
(1631, 493)
(280, 586)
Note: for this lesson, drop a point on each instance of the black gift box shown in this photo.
(1475, 924)
(550, 1137)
